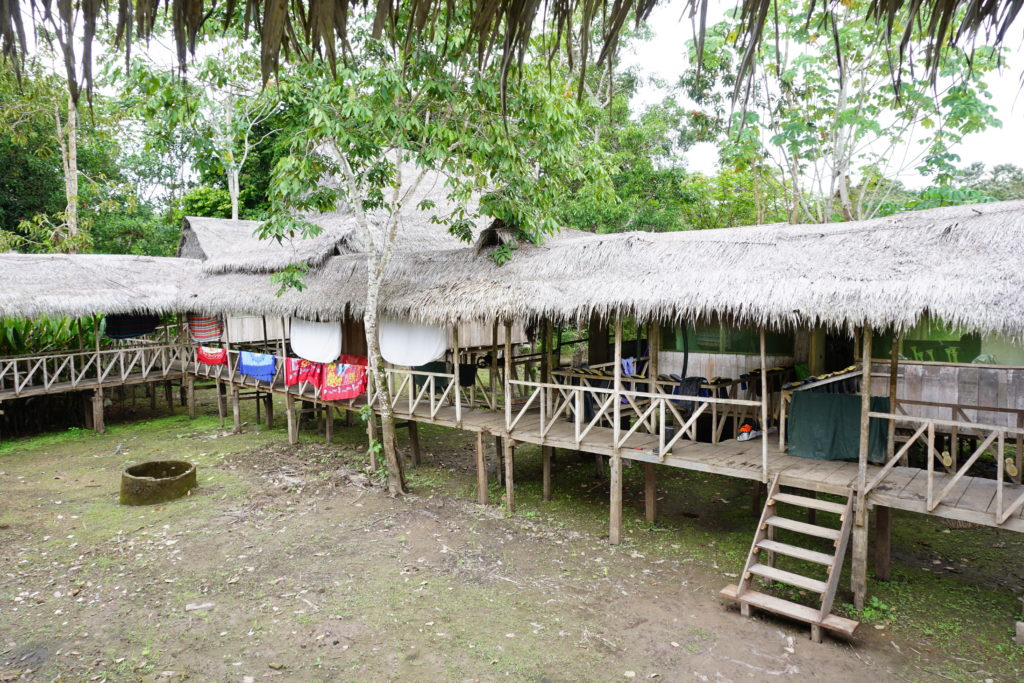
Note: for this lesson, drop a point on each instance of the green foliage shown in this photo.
(39, 335)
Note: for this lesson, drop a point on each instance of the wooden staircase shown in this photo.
(763, 552)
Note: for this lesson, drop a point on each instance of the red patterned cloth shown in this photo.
(209, 356)
(343, 381)
(297, 370)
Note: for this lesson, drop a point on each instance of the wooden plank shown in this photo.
(803, 527)
(790, 578)
(797, 552)
(813, 503)
(770, 603)
(978, 495)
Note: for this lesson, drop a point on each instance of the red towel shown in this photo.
(209, 356)
(297, 370)
(343, 381)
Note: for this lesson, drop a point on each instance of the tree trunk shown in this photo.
(67, 136)
(396, 474)
(232, 174)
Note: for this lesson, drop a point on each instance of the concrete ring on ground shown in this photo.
(157, 482)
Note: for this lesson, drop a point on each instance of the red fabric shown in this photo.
(210, 356)
(343, 381)
(348, 359)
(298, 370)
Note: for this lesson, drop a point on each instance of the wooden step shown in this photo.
(803, 527)
(770, 603)
(782, 576)
(814, 503)
(796, 551)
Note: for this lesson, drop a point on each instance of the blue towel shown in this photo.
(258, 365)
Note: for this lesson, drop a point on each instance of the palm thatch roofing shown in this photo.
(228, 246)
(34, 285)
(958, 264)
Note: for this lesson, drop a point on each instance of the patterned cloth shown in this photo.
(258, 365)
(344, 380)
(297, 370)
(203, 328)
(131, 325)
(209, 356)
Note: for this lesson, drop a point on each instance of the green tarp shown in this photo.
(827, 427)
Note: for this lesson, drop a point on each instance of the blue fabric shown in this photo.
(258, 365)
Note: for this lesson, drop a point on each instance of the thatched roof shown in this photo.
(34, 285)
(960, 264)
(230, 246)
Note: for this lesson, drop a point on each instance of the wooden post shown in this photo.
(492, 373)
(219, 389)
(97, 411)
(816, 351)
(615, 521)
(236, 413)
(508, 373)
(328, 423)
(509, 452)
(293, 427)
(764, 408)
(859, 559)
(458, 383)
(86, 410)
(150, 388)
(546, 453)
(414, 441)
(481, 470)
(894, 368)
(499, 459)
(190, 395)
(650, 493)
(883, 542)
(169, 396)
(270, 408)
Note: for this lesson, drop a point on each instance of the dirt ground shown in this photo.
(287, 563)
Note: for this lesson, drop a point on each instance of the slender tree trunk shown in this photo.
(233, 190)
(396, 473)
(67, 136)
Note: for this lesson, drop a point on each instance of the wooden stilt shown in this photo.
(151, 390)
(220, 402)
(499, 459)
(236, 409)
(293, 427)
(546, 453)
(650, 493)
(169, 396)
(86, 410)
(615, 520)
(812, 514)
(481, 470)
(414, 442)
(270, 409)
(190, 396)
(599, 467)
(509, 453)
(883, 542)
(615, 464)
(97, 412)
(859, 564)
(329, 423)
(755, 504)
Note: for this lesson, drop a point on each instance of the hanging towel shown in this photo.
(204, 329)
(209, 356)
(409, 344)
(258, 365)
(131, 325)
(318, 342)
(467, 374)
(297, 370)
(343, 381)
(349, 359)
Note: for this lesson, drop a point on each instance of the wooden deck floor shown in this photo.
(90, 384)
(905, 488)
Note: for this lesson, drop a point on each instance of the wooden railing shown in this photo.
(658, 414)
(434, 391)
(89, 369)
(994, 440)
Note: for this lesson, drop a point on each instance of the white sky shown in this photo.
(664, 57)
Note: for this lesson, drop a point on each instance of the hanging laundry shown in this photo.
(467, 374)
(298, 370)
(258, 365)
(406, 343)
(343, 381)
(318, 342)
(204, 328)
(349, 359)
(131, 325)
(210, 356)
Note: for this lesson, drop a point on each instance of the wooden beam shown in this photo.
(650, 493)
(546, 453)
(97, 411)
(883, 542)
(859, 564)
(508, 373)
(328, 422)
(894, 368)
(859, 549)
(190, 395)
(509, 454)
(764, 407)
(293, 427)
(236, 414)
(414, 441)
(615, 514)
(481, 470)
(221, 410)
